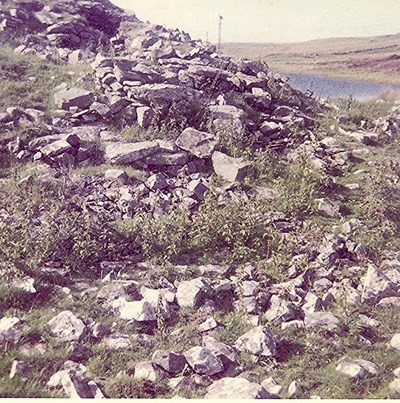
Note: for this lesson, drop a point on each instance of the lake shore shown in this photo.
(328, 87)
(370, 59)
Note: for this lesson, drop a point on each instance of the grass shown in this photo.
(30, 82)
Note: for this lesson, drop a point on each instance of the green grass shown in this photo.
(29, 82)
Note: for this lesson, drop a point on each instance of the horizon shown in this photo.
(271, 21)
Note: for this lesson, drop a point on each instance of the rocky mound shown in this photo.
(174, 221)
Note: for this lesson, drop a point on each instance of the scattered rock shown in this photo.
(10, 330)
(191, 294)
(67, 327)
(74, 97)
(376, 285)
(147, 371)
(322, 320)
(272, 387)
(294, 389)
(200, 144)
(117, 341)
(395, 341)
(140, 311)
(259, 341)
(169, 361)
(128, 153)
(203, 361)
(231, 169)
(19, 369)
(236, 388)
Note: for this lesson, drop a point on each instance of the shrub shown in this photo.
(45, 225)
(298, 187)
(233, 231)
(140, 389)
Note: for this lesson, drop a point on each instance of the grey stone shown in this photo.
(368, 366)
(229, 168)
(169, 361)
(351, 369)
(117, 341)
(249, 288)
(199, 188)
(200, 144)
(272, 387)
(127, 153)
(395, 341)
(258, 341)
(26, 284)
(145, 116)
(68, 367)
(56, 148)
(328, 207)
(279, 310)
(157, 181)
(77, 388)
(214, 269)
(376, 285)
(208, 324)
(203, 361)
(221, 350)
(19, 369)
(116, 174)
(322, 320)
(143, 340)
(77, 97)
(147, 371)
(294, 389)
(236, 388)
(67, 327)
(293, 324)
(191, 294)
(395, 385)
(140, 311)
(183, 383)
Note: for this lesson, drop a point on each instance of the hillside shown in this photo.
(373, 59)
(175, 222)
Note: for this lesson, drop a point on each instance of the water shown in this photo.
(326, 87)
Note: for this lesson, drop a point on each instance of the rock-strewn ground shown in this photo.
(174, 222)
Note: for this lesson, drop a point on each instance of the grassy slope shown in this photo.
(368, 59)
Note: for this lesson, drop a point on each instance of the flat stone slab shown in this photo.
(127, 153)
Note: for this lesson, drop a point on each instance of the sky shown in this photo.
(271, 20)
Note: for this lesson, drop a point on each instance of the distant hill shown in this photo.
(374, 59)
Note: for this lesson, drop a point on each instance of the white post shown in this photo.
(220, 33)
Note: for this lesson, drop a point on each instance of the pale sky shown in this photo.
(271, 20)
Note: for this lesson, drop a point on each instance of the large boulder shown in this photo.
(321, 320)
(258, 341)
(191, 294)
(376, 285)
(127, 153)
(203, 361)
(169, 361)
(236, 388)
(74, 97)
(67, 327)
(229, 168)
(200, 144)
(140, 311)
